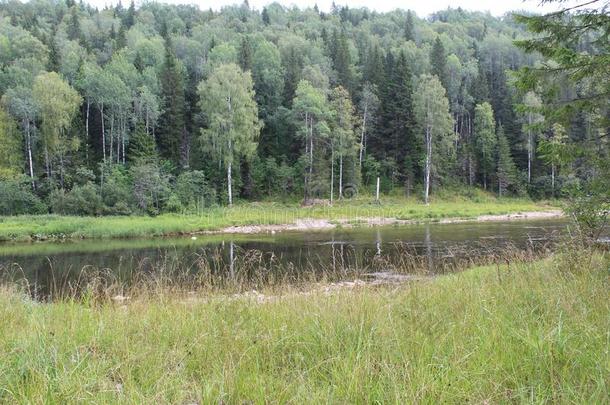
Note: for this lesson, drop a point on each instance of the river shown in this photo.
(48, 267)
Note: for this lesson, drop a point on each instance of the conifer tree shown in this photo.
(265, 16)
(409, 27)
(506, 171)
(438, 62)
(171, 133)
(245, 54)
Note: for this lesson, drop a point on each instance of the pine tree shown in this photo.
(438, 61)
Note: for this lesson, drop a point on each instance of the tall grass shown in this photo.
(534, 331)
(265, 213)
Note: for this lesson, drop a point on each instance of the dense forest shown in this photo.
(163, 108)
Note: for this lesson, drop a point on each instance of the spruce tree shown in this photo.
(506, 170)
(265, 16)
(245, 54)
(409, 27)
(130, 18)
(438, 61)
(294, 66)
(341, 59)
(172, 124)
(73, 26)
(142, 148)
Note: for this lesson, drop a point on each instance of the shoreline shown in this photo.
(264, 219)
(309, 224)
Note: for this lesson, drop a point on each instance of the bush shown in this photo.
(151, 187)
(193, 191)
(81, 200)
(16, 198)
(116, 189)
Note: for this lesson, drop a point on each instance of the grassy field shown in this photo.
(59, 227)
(532, 333)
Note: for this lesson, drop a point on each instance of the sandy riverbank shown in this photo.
(323, 224)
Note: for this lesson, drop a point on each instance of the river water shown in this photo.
(51, 266)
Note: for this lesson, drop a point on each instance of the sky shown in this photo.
(422, 7)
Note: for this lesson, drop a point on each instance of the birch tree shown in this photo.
(554, 151)
(435, 122)
(532, 120)
(227, 100)
(20, 103)
(343, 137)
(309, 108)
(10, 147)
(369, 103)
(485, 139)
(58, 103)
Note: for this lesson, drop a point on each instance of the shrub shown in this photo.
(193, 191)
(151, 187)
(81, 200)
(16, 198)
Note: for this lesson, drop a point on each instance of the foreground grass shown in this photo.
(529, 333)
(54, 226)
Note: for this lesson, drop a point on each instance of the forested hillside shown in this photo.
(171, 108)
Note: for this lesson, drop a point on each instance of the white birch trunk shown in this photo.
(362, 135)
(332, 173)
(229, 183)
(103, 132)
(341, 176)
(428, 164)
(28, 137)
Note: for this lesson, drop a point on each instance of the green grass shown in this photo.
(264, 213)
(530, 333)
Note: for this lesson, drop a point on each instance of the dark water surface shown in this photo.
(46, 265)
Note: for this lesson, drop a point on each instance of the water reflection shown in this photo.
(53, 266)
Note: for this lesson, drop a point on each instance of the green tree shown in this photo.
(343, 138)
(485, 139)
(438, 62)
(409, 27)
(310, 108)
(58, 103)
(11, 158)
(532, 121)
(20, 103)
(369, 104)
(227, 100)
(554, 151)
(171, 134)
(506, 171)
(436, 125)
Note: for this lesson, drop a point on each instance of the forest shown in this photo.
(170, 108)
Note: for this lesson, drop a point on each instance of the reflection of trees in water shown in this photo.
(257, 262)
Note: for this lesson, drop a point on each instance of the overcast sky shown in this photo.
(421, 7)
